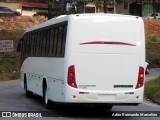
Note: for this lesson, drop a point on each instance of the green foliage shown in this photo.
(5, 30)
(149, 45)
(154, 39)
(53, 8)
(153, 43)
(156, 61)
(9, 67)
(98, 4)
(152, 89)
(70, 11)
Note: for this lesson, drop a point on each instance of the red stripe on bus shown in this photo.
(107, 42)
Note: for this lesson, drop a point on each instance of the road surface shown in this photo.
(12, 98)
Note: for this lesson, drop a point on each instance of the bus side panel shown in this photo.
(49, 69)
(56, 90)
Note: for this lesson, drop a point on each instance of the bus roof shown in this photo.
(48, 23)
(63, 18)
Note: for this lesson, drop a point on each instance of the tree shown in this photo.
(154, 4)
(53, 7)
(108, 2)
(82, 3)
(98, 4)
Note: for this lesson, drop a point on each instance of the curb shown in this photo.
(151, 99)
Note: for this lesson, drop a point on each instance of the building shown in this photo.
(115, 6)
(25, 7)
(29, 8)
(133, 7)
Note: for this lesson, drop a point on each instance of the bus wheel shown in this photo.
(29, 94)
(147, 70)
(47, 102)
(103, 107)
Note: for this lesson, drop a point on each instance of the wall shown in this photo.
(122, 8)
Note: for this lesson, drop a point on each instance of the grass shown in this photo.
(152, 89)
(10, 64)
(9, 68)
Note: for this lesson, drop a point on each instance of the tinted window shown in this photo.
(49, 41)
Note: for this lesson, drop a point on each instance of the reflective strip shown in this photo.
(107, 42)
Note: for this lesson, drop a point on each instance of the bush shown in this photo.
(153, 43)
(9, 67)
(5, 31)
(152, 89)
(156, 61)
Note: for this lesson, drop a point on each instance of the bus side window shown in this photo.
(60, 40)
(27, 45)
(36, 43)
(63, 40)
(56, 41)
(43, 43)
(48, 43)
(32, 44)
(40, 43)
(51, 42)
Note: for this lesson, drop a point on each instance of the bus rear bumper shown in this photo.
(109, 97)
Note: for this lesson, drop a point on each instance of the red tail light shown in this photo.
(71, 77)
(140, 81)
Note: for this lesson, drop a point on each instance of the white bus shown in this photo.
(85, 58)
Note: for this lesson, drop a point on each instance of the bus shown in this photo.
(95, 59)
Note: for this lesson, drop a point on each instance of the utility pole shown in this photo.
(114, 3)
(105, 6)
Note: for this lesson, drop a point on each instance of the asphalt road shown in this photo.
(12, 98)
(153, 73)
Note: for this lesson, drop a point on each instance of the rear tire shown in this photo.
(29, 94)
(147, 70)
(47, 102)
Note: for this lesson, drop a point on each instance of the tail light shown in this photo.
(140, 81)
(71, 77)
